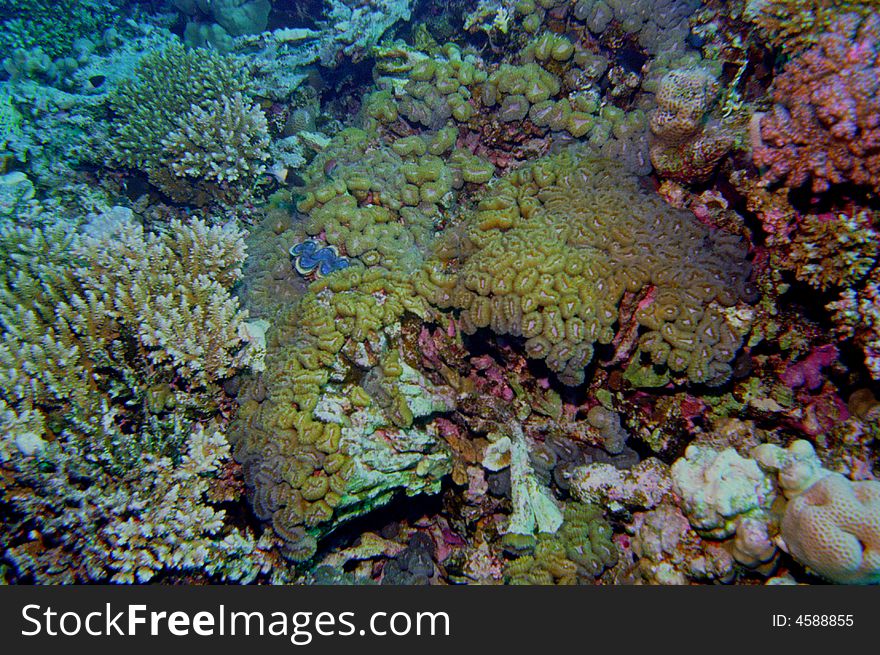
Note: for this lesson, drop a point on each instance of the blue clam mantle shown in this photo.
(313, 257)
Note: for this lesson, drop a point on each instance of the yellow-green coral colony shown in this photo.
(294, 464)
(379, 206)
(578, 552)
(556, 244)
(453, 87)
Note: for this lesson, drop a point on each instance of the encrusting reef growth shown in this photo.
(527, 292)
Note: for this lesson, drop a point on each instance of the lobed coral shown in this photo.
(231, 18)
(671, 552)
(551, 251)
(577, 553)
(834, 528)
(717, 488)
(320, 450)
(823, 127)
(658, 24)
(383, 201)
(505, 112)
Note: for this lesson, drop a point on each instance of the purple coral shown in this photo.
(808, 372)
(825, 125)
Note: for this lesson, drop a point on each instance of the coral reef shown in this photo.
(68, 298)
(536, 292)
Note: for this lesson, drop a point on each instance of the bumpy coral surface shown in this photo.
(834, 528)
(687, 146)
(823, 126)
(579, 551)
(551, 251)
(716, 488)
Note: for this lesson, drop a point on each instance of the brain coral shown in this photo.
(553, 248)
(834, 528)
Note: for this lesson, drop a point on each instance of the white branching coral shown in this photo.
(161, 517)
(168, 523)
(168, 293)
(184, 120)
(215, 153)
(113, 342)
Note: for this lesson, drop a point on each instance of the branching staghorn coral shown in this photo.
(796, 25)
(857, 315)
(107, 331)
(169, 293)
(834, 250)
(837, 251)
(184, 121)
(159, 518)
(113, 343)
(214, 154)
(52, 25)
